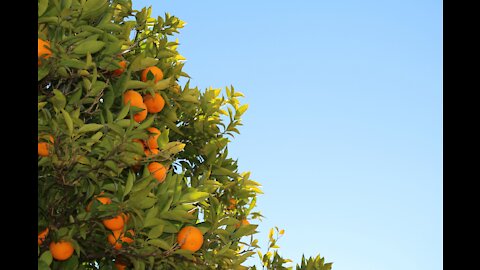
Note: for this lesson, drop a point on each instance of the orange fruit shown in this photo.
(241, 223)
(115, 223)
(120, 263)
(140, 116)
(158, 170)
(117, 237)
(232, 205)
(151, 152)
(44, 147)
(152, 139)
(118, 72)
(43, 50)
(61, 250)
(103, 200)
(190, 238)
(42, 235)
(154, 104)
(157, 73)
(134, 97)
(120, 266)
(113, 238)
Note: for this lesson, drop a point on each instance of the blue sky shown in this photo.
(344, 128)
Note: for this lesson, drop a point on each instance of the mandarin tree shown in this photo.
(131, 164)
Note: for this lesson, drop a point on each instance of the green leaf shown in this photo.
(129, 184)
(244, 230)
(73, 63)
(163, 138)
(185, 253)
(196, 196)
(159, 243)
(89, 46)
(58, 100)
(156, 231)
(173, 147)
(43, 265)
(68, 121)
(123, 112)
(133, 84)
(42, 7)
(46, 257)
(89, 128)
(146, 123)
(162, 84)
(42, 73)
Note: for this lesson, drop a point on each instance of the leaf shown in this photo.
(58, 100)
(242, 109)
(43, 72)
(159, 243)
(89, 128)
(68, 121)
(162, 84)
(46, 257)
(89, 46)
(156, 231)
(42, 7)
(163, 138)
(244, 230)
(185, 253)
(123, 112)
(73, 63)
(129, 184)
(173, 147)
(43, 265)
(196, 196)
(146, 123)
(133, 84)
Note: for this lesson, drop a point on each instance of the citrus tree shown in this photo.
(133, 168)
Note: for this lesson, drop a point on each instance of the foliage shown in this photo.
(80, 104)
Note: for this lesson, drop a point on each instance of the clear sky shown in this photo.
(344, 128)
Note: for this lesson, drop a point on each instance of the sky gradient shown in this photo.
(344, 129)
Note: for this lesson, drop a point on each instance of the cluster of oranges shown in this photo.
(115, 225)
(150, 148)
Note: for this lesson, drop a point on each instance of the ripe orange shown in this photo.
(120, 266)
(113, 238)
(134, 97)
(190, 238)
(154, 104)
(103, 200)
(44, 147)
(43, 50)
(152, 139)
(241, 223)
(120, 263)
(156, 72)
(151, 152)
(61, 250)
(42, 235)
(117, 237)
(158, 170)
(139, 117)
(232, 205)
(115, 223)
(118, 72)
